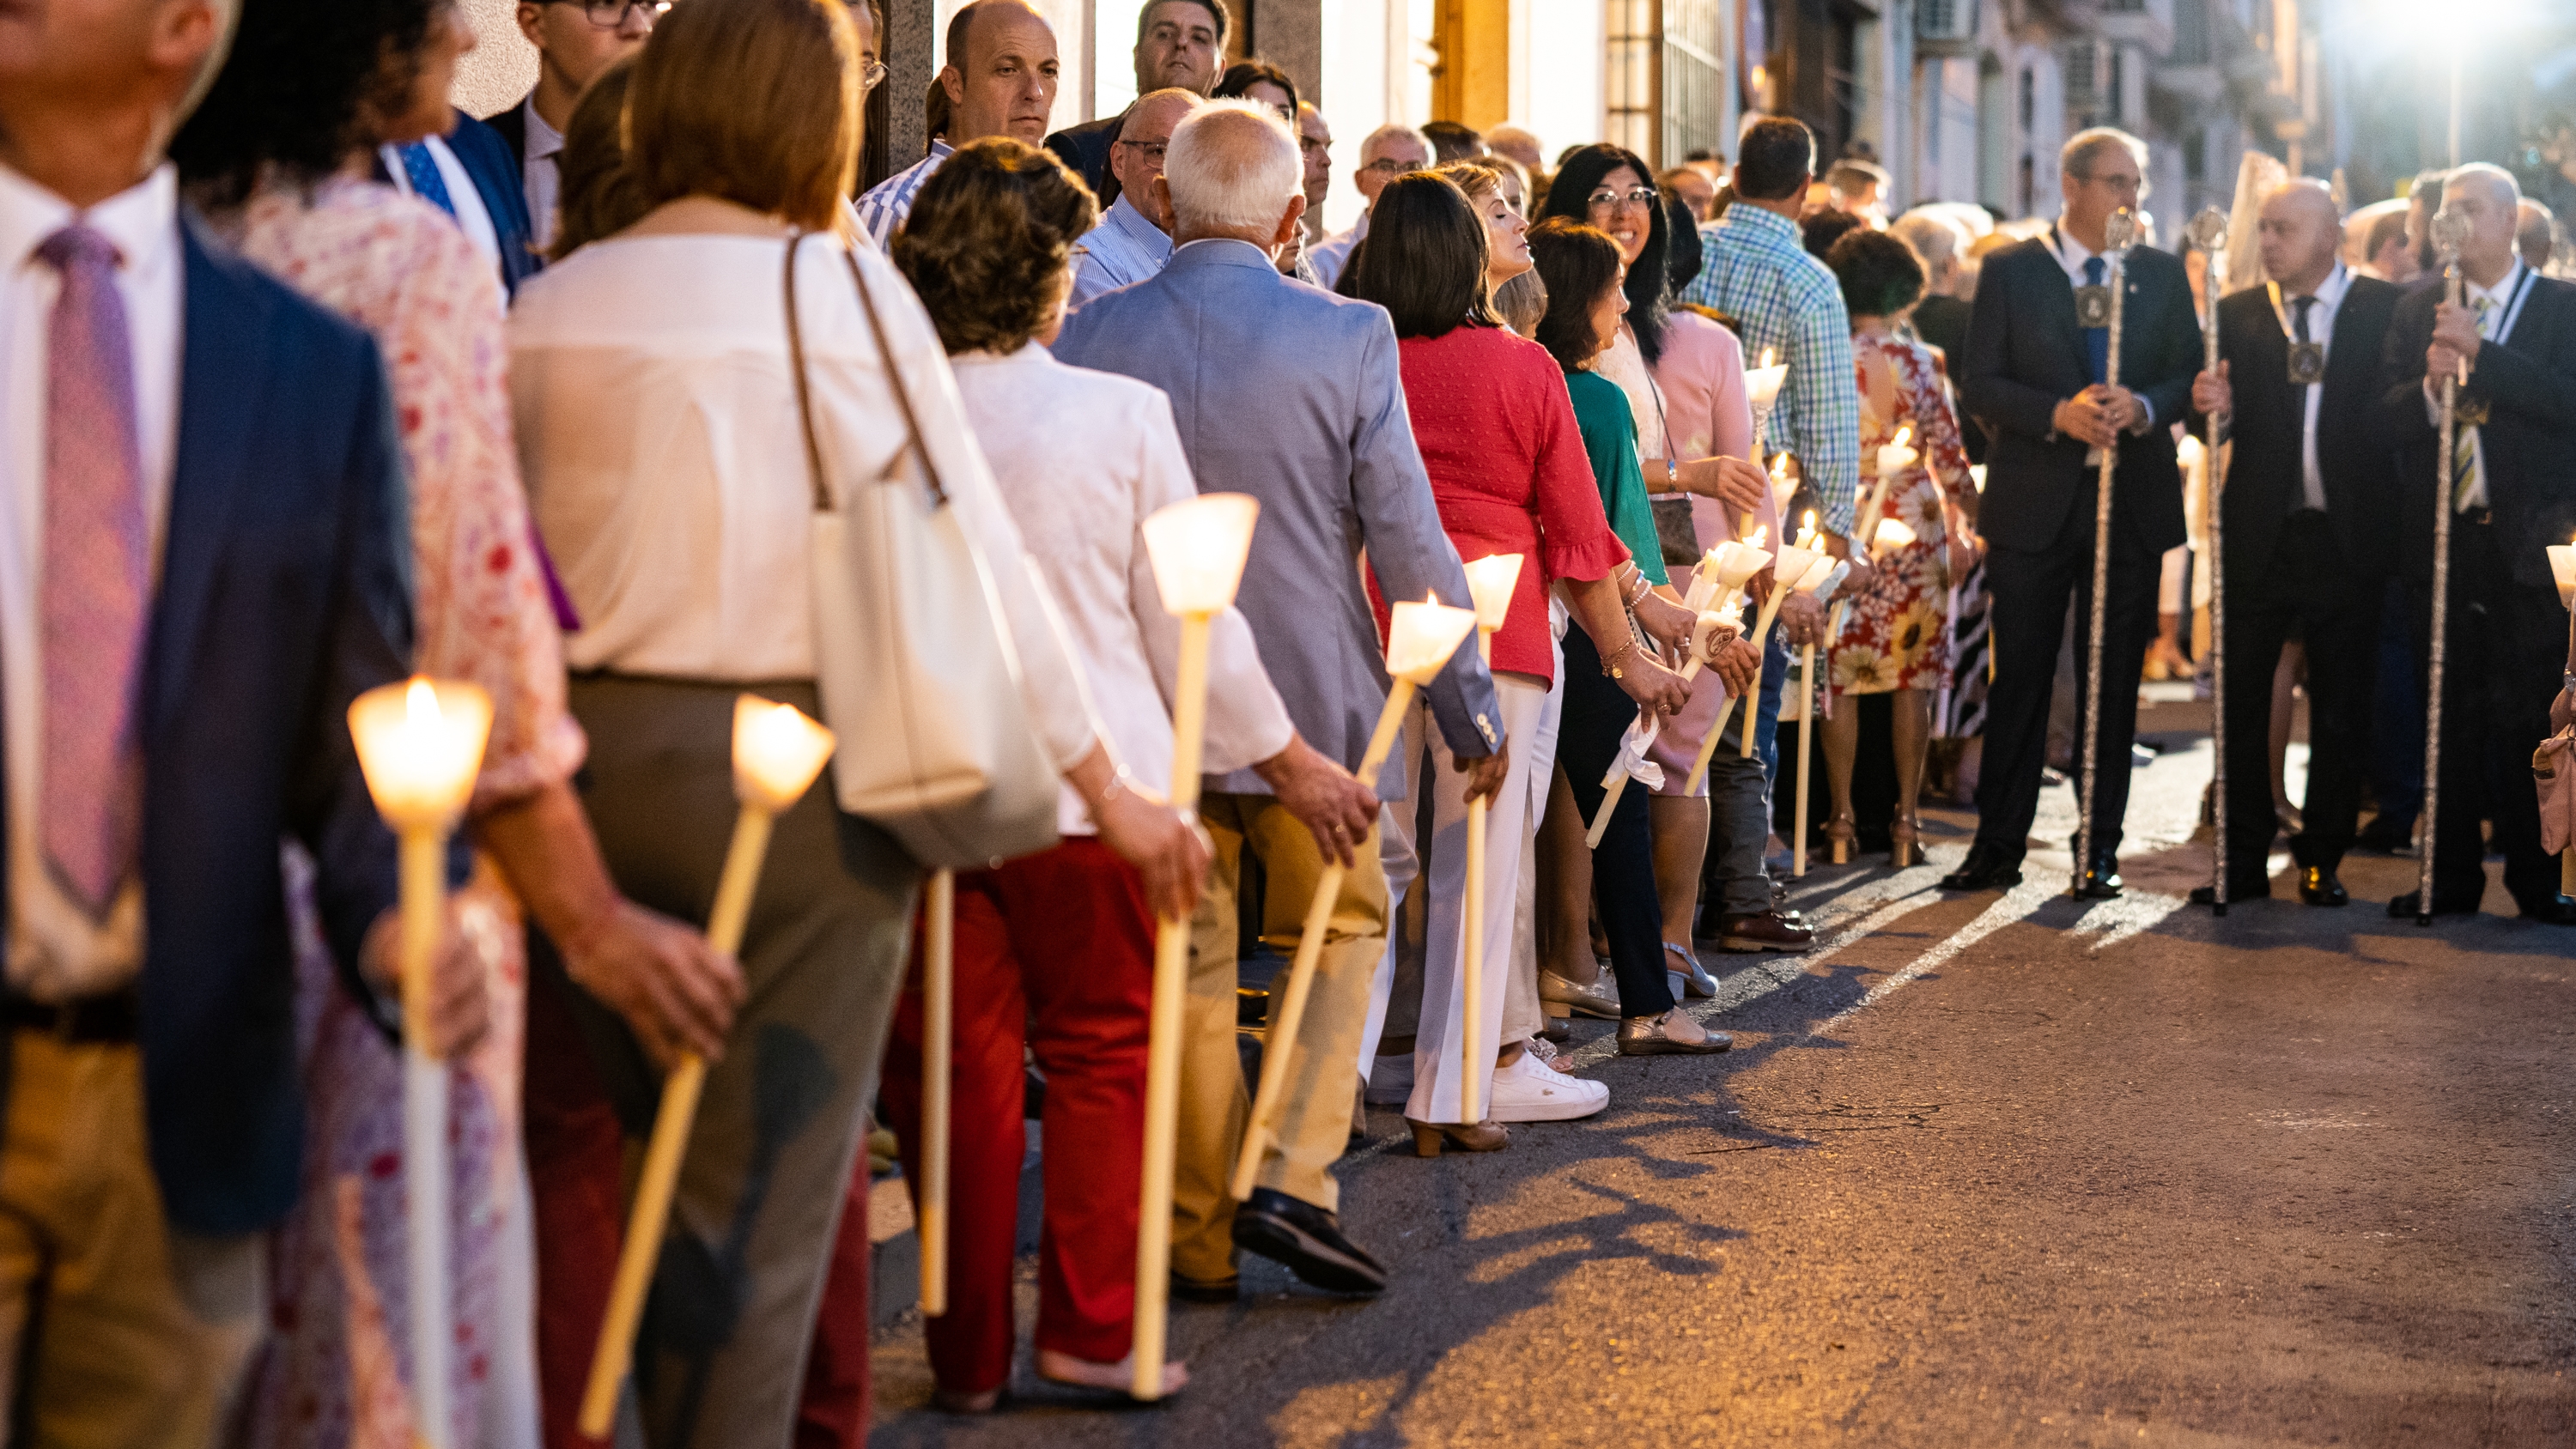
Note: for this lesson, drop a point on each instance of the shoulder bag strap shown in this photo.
(804, 392)
(894, 376)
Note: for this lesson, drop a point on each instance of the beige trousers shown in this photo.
(117, 1331)
(1316, 1122)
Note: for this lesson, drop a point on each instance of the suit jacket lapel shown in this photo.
(224, 364)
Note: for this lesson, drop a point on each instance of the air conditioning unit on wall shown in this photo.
(1945, 27)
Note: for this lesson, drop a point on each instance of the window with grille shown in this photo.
(1667, 70)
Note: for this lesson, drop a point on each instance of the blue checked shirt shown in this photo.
(890, 201)
(1755, 268)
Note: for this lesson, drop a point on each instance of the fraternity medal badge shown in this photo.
(2471, 412)
(2307, 364)
(2093, 306)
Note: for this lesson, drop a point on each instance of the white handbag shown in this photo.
(912, 655)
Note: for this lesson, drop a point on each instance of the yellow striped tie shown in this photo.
(2464, 442)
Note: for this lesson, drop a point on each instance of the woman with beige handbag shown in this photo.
(866, 572)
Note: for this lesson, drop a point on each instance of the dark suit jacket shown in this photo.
(285, 591)
(2025, 355)
(499, 178)
(1085, 148)
(512, 127)
(2529, 386)
(2264, 475)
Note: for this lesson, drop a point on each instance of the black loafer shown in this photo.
(2256, 888)
(2554, 910)
(1308, 1241)
(2319, 887)
(1196, 1290)
(1985, 869)
(2409, 903)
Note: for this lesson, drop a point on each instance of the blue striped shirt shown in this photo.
(890, 201)
(1754, 267)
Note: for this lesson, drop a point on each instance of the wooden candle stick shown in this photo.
(938, 1038)
(1197, 548)
(1491, 580)
(777, 752)
(1420, 640)
(420, 744)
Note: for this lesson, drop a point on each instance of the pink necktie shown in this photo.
(93, 597)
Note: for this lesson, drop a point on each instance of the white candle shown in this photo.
(1198, 547)
(2562, 566)
(1491, 581)
(1421, 637)
(777, 752)
(420, 744)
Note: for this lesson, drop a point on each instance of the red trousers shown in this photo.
(1055, 950)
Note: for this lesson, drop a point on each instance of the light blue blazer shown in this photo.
(1295, 396)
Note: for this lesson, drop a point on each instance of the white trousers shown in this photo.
(1438, 1053)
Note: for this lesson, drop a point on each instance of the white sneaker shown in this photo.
(1529, 1090)
(1390, 1082)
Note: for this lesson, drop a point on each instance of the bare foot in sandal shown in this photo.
(1064, 1368)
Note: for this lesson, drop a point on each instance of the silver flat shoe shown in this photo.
(1693, 975)
(1600, 999)
(1652, 1036)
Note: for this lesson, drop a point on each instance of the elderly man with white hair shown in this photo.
(1385, 154)
(1294, 396)
(2510, 493)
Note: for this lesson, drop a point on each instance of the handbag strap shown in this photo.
(894, 376)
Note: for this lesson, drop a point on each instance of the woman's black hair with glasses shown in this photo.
(1571, 196)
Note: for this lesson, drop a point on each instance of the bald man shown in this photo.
(1000, 80)
(2309, 546)
(1134, 237)
(2510, 492)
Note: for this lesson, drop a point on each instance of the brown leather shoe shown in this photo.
(1763, 932)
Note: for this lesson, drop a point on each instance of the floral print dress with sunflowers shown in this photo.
(1898, 633)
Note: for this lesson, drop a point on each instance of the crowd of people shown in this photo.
(313, 383)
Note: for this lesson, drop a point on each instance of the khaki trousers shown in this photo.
(117, 1331)
(1316, 1122)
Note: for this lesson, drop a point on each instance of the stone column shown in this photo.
(909, 27)
(1290, 35)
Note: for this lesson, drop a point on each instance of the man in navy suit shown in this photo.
(203, 555)
(575, 40)
(469, 174)
(2035, 374)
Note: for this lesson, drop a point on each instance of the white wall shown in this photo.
(1559, 80)
(1355, 93)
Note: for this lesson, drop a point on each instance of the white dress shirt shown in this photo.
(55, 950)
(1081, 458)
(2503, 310)
(2321, 320)
(541, 173)
(467, 202)
(659, 440)
(1330, 256)
(2071, 256)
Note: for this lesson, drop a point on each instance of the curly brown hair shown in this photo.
(990, 242)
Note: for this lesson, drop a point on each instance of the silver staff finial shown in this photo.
(2209, 230)
(2451, 228)
(2117, 231)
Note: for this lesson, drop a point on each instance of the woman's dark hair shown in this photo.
(1577, 262)
(1686, 260)
(1570, 196)
(988, 240)
(937, 111)
(1424, 258)
(303, 88)
(1822, 229)
(598, 194)
(1881, 276)
(1243, 75)
(755, 102)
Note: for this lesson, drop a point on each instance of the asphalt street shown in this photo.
(1982, 1170)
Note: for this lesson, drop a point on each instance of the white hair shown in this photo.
(1233, 166)
(1935, 237)
(1370, 143)
(2500, 183)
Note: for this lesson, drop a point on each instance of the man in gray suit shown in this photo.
(1292, 395)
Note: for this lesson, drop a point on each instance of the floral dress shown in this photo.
(1897, 636)
(334, 1368)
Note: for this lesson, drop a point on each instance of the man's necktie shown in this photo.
(93, 594)
(421, 169)
(2299, 327)
(2097, 340)
(2464, 440)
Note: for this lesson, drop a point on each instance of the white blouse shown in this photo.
(1082, 457)
(659, 439)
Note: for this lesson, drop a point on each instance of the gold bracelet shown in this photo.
(1610, 666)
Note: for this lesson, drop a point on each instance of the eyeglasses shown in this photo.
(873, 77)
(1642, 197)
(1389, 166)
(1154, 150)
(611, 14)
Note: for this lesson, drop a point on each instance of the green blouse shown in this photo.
(1610, 436)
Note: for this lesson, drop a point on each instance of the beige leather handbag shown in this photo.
(912, 656)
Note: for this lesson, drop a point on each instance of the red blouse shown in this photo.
(1508, 471)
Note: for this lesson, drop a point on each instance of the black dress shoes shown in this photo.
(2251, 888)
(2553, 910)
(1308, 1241)
(1985, 869)
(2319, 887)
(1186, 1289)
(2102, 882)
(2409, 904)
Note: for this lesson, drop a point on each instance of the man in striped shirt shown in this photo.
(1000, 79)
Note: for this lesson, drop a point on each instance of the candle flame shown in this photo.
(420, 703)
(1904, 435)
(1761, 535)
(1770, 355)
